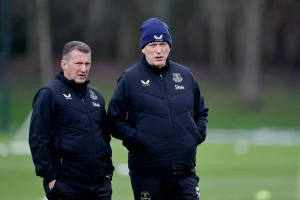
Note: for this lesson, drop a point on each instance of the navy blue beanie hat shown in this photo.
(154, 30)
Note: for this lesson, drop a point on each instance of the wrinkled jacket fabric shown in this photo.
(68, 136)
(160, 116)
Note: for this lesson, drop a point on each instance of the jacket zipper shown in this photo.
(94, 154)
(165, 93)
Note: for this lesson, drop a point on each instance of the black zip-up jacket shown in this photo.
(68, 136)
(160, 116)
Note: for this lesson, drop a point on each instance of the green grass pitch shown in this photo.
(224, 174)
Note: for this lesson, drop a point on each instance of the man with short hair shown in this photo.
(158, 112)
(68, 137)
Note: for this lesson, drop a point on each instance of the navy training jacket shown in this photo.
(160, 116)
(68, 136)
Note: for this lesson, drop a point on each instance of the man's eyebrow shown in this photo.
(77, 61)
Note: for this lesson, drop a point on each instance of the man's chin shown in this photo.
(81, 81)
(160, 64)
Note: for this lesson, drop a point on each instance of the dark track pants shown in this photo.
(64, 191)
(170, 187)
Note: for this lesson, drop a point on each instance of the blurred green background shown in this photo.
(244, 54)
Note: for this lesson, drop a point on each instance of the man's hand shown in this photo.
(51, 184)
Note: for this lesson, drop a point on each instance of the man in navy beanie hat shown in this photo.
(159, 113)
(154, 30)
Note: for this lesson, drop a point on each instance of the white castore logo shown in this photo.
(145, 83)
(179, 87)
(159, 37)
(67, 96)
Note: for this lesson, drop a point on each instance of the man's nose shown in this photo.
(83, 68)
(158, 49)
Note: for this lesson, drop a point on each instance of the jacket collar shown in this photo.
(77, 88)
(154, 68)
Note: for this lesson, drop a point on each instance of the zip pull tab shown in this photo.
(83, 102)
(161, 77)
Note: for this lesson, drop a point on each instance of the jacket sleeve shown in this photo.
(41, 126)
(118, 113)
(109, 164)
(201, 111)
(109, 167)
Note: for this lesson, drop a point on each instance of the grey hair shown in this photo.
(75, 45)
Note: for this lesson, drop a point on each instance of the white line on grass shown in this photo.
(3, 150)
(122, 169)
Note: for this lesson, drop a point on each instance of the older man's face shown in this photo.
(156, 53)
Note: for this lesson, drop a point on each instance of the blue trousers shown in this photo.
(165, 187)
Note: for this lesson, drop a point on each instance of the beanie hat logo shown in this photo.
(158, 38)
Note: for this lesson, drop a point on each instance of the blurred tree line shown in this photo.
(236, 37)
(205, 31)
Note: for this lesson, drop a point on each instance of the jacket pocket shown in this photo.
(196, 135)
(131, 146)
(132, 142)
(56, 147)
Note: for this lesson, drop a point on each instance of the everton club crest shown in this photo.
(145, 196)
(177, 78)
(92, 95)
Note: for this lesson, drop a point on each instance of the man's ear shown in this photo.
(63, 64)
(143, 51)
